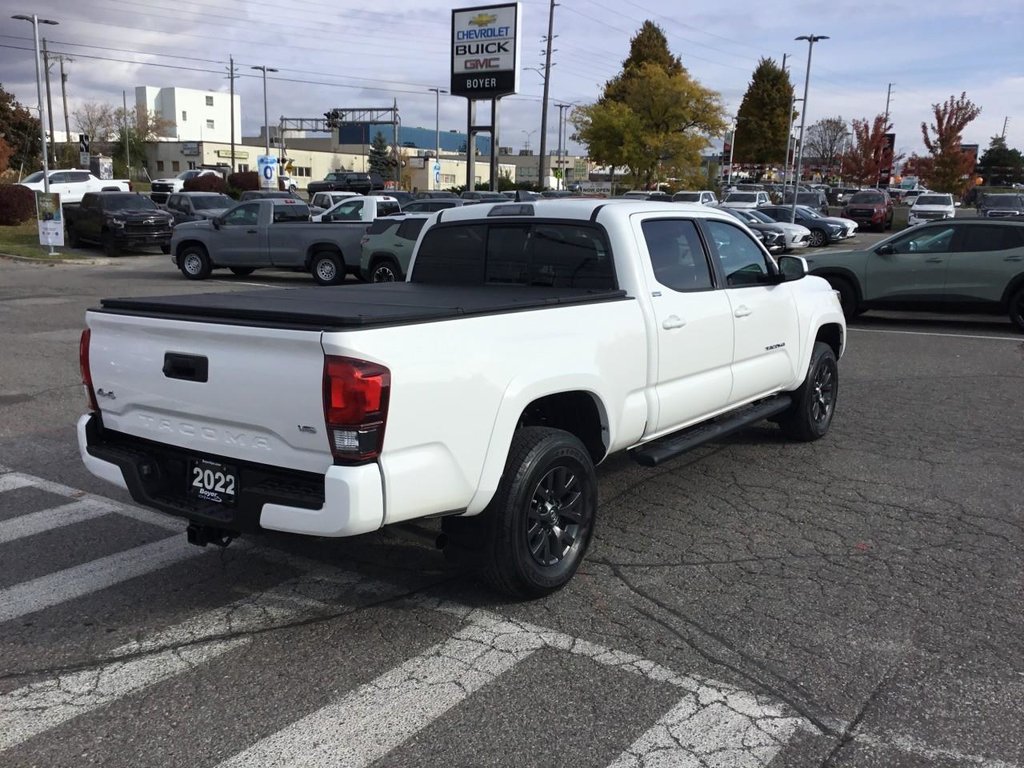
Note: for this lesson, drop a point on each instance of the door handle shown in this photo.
(1014, 258)
(934, 261)
(672, 322)
(250, 231)
(742, 310)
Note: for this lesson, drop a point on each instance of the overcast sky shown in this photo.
(332, 56)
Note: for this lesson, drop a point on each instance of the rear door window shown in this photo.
(410, 228)
(990, 238)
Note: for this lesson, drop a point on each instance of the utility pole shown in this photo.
(64, 98)
(544, 104)
(561, 142)
(1005, 121)
(789, 126)
(888, 96)
(231, 76)
(885, 128)
(127, 138)
(49, 102)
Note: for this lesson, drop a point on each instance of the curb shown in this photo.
(73, 261)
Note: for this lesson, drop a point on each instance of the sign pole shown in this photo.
(494, 144)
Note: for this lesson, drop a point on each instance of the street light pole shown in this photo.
(811, 40)
(36, 21)
(437, 121)
(266, 118)
(732, 146)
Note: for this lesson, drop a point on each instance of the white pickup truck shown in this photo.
(530, 341)
(73, 184)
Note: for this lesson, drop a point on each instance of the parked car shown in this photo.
(325, 200)
(400, 195)
(839, 195)
(909, 196)
(161, 189)
(642, 194)
(999, 205)
(930, 207)
(268, 194)
(432, 205)
(118, 220)
(387, 247)
(746, 200)
(824, 229)
(430, 194)
(702, 196)
(287, 183)
(814, 199)
(870, 208)
(194, 206)
(968, 264)
(72, 184)
(347, 181)
(772, 236)
(797, 236)
(365, 208)
(481, 196)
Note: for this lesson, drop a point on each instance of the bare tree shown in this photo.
(826, 141)
(96, 120)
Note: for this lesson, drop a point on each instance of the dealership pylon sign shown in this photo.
(485, 51)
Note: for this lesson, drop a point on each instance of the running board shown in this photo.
(664, 448)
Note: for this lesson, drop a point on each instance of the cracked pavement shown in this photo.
(852, 602)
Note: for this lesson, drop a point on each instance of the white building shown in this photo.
(195, 115)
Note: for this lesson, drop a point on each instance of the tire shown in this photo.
(1017, 309)
(194, 263)
(847, 296)
(72, 237)
(818, 238)
(327, 268)
(242, 271)
(517, 538)
(110, 246)
(814, 403)
(385, 270)
(165, 248)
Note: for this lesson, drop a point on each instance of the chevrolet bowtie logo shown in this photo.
(483, 19)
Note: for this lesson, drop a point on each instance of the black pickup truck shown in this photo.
(118, 220)
(347, 181)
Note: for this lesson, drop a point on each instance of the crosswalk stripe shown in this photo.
(12, 481)
(48, 519)
(369, 722)
(61, 586)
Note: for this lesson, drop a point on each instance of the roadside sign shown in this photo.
(83, 143)
(267, 166)
(437, 175)
(51, 222)
(83, 159)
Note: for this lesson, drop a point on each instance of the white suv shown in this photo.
(930, 206)
(702, 196)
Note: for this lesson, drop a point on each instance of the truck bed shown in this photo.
(370, 305)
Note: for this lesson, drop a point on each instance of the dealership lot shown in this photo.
(757, 602)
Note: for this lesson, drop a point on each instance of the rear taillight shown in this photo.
(355, 408)
(83, 364)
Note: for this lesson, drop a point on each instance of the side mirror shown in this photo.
(957, 204)
(885, 250)
(216, 221)
(792, 267)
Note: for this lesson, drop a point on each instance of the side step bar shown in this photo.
(664, 448)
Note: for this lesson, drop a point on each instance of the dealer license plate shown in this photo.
(212, 481)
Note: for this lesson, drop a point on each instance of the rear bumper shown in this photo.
(345, 501)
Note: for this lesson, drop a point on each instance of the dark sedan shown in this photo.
(772, 236)
(824, 230)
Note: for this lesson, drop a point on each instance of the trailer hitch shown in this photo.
(201, 535)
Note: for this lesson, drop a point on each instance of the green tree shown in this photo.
(381, 160)
(763, 116)
(999, 165)
(825, 142)
(134, 129)
(952, 166)
(20, 130)
(653, 118)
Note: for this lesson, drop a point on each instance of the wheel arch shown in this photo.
(323, 246)
(1015, 284)
(833, 335)
(188, 244)
(843, 273)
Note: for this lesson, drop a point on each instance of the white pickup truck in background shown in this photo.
(530, 341)
(73, 184)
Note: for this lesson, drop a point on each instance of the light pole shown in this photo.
(437, 121)
(732, 146)
(266, 118)
(789, 140)
(36, 21)
(811, 40)
(529, 135)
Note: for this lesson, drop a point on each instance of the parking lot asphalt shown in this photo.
(851, 602)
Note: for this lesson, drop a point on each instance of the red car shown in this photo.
(870, 208)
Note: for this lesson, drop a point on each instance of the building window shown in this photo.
(209, 101)
(184, 116)
(243, 167)
(303, 170)
(175, 166)
(209, 123)
(160, 165)
(191, 165)
(448, 178)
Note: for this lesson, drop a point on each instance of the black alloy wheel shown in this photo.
(555, 517)
(814, 403)
(818, 238)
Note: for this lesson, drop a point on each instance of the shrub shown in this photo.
(17, 204)
(244, 181)
(209, 182)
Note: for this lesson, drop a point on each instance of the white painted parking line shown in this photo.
(48, 519)
(378, 716)
(12, 481)
(56, 588)
(936, 333)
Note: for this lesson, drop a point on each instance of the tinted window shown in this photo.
(291, 212)
(741, 197)
(452, 255)
(928, 240)
(990, 238)
(78, 177)
(686, 197)
(867, 197)
(388, 207)
(380, 225)
(58, 178)
(349, 211)
(934, 200)
(207, 202)
(742, 259)
(677, 255)
(410, 228)
(244, 214)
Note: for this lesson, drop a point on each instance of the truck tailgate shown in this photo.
(247, 393)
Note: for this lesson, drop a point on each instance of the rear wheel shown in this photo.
(242, 271)
(1017, 309)
(194, 263)
(814, 403)
(327, 268)
(110, 246)
(385, 270)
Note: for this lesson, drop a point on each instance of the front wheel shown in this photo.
(533, 535)
(385, 271)
(1017, 309)
(110, 246)
(818, 238)
(194, 263)
(327, 268)
(814, 404)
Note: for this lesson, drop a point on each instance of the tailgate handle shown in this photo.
(186, 367)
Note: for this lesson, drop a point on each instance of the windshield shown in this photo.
(934, 200)
(131, 202)
(33, 177)
(211, 202)
(686, 197)
(762, 217)
(1011, 201)
(867, 197)
(741, 197)
(186, 175)
(810, 213)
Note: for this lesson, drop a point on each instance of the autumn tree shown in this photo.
(868, 153)
(919, 166)
(826, 140)
(952, 166)
(134, 128)
(1000, 165)
(762, 121)
(653, 117)
(20, 131)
